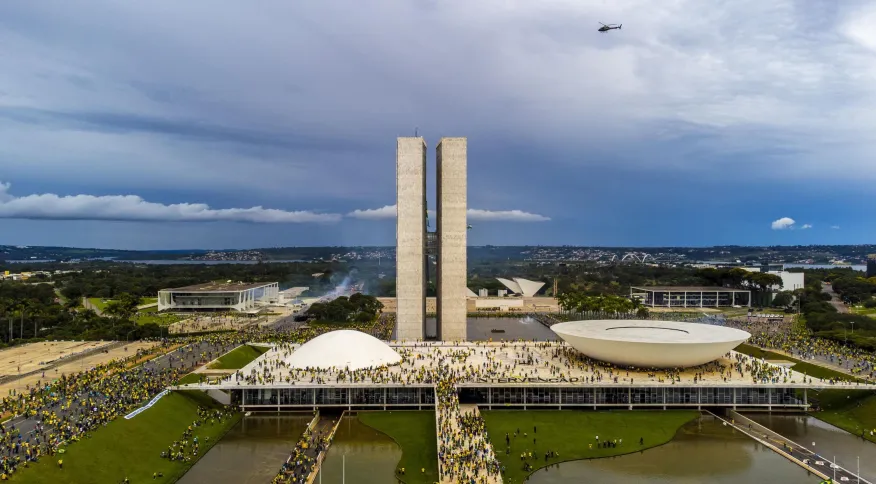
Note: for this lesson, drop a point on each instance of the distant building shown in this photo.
(219, 296)
(521, 286)
(790, 280)
(690, 296)
(871, 265)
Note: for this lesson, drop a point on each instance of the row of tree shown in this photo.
(359, 308)
(580, 303)
(29, 311)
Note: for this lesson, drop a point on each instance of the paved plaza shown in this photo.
(79, 364)
(35, 356)
(546, 362)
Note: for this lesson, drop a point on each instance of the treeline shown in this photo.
(31, 312)
(581, 303)
(359, 308)
(824, 319)
(110, 280)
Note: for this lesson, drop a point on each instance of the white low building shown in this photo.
(219, 296)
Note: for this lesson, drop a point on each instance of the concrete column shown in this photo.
(411, 257)
(701, 298)
(452, 161)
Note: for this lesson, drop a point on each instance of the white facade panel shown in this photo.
(452, 162)
(411, 238)
(650, 344)
(528, 288)
(511, 285)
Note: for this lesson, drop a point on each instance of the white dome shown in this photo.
(343, 349)
(650, 344)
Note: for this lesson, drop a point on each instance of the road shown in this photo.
(835, 300)
(187, 358)
(800, 453)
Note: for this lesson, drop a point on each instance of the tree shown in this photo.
(783, 299)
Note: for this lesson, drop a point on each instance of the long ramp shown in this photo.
(456, 438)
(796, 453)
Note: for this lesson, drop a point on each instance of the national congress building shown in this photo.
(414, 242)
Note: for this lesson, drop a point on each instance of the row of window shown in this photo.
(523, 395)
(657, 395)
(339, 396)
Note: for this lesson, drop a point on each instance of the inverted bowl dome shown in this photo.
(343, 348)
(650, 344)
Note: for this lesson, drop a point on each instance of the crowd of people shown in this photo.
(303, 459)
(465, 455)
(66, 408)
(799, 342)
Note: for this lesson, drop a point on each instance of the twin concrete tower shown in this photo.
(414, 243)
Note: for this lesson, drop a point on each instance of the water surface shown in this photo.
(829, 441)
(361, 455)
(251, 452)
(704, 451)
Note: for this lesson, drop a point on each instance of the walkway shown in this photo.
(835, 300)
(793, 451)
(464, 449)
(305, 460)
(822, 361)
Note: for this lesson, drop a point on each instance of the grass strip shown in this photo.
(572, 435)
(414, 432)
(132, 448)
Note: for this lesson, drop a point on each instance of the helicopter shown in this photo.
(606, 28)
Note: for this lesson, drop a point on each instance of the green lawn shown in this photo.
(850, 410)
(414, 432)
(98, 302)
(131, 448)
(151, 315)
(238, 357)
(810, 369)
(190, 378)
(570, 434)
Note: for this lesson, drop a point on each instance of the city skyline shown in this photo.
(695, 125)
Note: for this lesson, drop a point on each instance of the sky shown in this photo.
(217, 124)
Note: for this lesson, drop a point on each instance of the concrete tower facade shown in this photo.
(452, 162)
(410, 287)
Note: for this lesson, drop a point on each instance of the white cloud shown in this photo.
(133, 208)
(387, 211)
(783, 223)
(504, 216)
(835, 227)
(476, 215)
(805, 226)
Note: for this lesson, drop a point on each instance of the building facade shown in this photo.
(414, 242)
(410, 288)
(452, 161)
(219, 297)
(687, 297)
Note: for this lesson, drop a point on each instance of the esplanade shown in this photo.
(353, 370)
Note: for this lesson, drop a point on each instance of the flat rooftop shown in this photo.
(488, 363)
(219, 286)
(688, 289)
